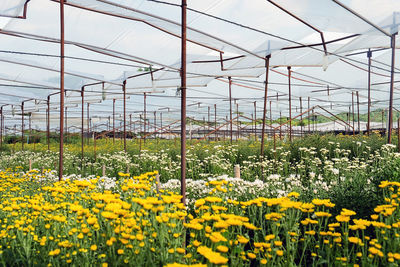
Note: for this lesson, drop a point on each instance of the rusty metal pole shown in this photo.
(255, 121)
(1, 128)
(267, 58)
(390, 119)
(88, 122)
(161, 123)
(183, 104)
(280, 122)
(208, 121)
(230, 105)
(290, 104)
(140, 131)
(308, 115)
(144, 114)
(237, 123)
(48, 122)
(369, 55)
(155, 124)
(113, 115)
(358, 113)
(66, 124)
(270, 117)
(124, 92)
(353, 112)
(82, 123)
(301, 117)
(398, 134)
(61, 154)
(215, 121)
(22, 124)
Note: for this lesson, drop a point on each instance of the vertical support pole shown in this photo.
(141, 135)
(183, 104)
(230, 106)
(369, 55)
(130, 124)
(88, 122)
(22, 124)
(301, 117)
(113, 115)
(82, 123)
(358, 113)
(270, 118)
(48, 122)
(264, 106)
(161, 123)
(1, 128)
(144, 114)
(280, 122)
(124, 92)
(398, 134)
(215, 122)
(290, 104)
(155, 124)
(308, 114)
(61, 154)
(237, 122)
(66, 124)
(30, 125)
(255, 121)
(352, 111)
(390, 119)
(208, 121)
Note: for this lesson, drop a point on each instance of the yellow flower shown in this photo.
(279, 253)
(93, 247)
(222, 248)
(120, 251)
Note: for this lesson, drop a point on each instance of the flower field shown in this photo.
(331, 203)
(79, 222)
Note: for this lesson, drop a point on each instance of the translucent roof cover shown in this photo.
(107, 42)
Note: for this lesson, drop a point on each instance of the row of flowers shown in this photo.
(137, 223)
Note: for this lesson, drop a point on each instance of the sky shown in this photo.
(87, 32)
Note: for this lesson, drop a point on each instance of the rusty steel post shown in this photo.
(113, 115)
(398, 134)
(358, 113)
(1, 127)
(61, 154)
(267, 58)
(141, 135)
(369, 55)
(301, 117)
(183, 104)
(124, 92)
(290, 103)
(66, 124)
(237, 123)
(280, 128)
(390, 119)
(255, 121)
(82, 123)
(48, 122)
(230, 106)
(308, 115)
(215, 121)
(88, 122)
(208, 121)
(22, 124)
(144, 114)
(155, 124)
(353, 112)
